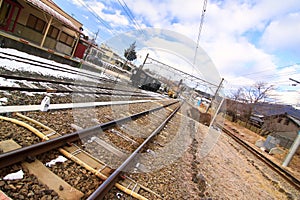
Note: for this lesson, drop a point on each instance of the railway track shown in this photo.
(73, 71)
(74, 83)
(278, 169)
(70, 146)
(67, 92)
(102, 149)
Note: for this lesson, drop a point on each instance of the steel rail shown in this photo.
(50, 66)
(282, 172)
(9, 88)
(21, 154)
(60, 82)
(114, 177)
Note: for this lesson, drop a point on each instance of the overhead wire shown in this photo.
(268, 74)
(131, 16)
(181, 72)
(268, 70)
(278, 74)
(198, 38)
(100, 19)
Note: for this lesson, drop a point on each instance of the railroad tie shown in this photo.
(80, 157)
(47, 177)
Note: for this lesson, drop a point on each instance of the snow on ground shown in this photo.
(10, 83)
(15, 66)
(12, 65)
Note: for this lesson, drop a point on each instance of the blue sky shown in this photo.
(247, 40)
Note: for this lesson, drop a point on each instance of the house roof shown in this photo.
(257, 119)
(297, 121)
(39, 4)
(292, 118)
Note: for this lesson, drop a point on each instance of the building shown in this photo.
(282, 126)
(113, 58)
(40, 27)
(108, 54)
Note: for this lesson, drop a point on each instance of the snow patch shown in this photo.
(14, 176)
(10, 83)
(59, 159)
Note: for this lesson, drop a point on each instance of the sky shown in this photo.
(248, 41)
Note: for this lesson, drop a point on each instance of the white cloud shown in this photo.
(240, 36)
(85, 16)
(283, 34)
(237, 57)
(291, 97)
(115, 19)
(78, 3)
(108, 14)
(231, 32)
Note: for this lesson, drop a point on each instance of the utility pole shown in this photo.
(90, 45)
(215, 95)
(200, 29)
(96, 35)
(144, 61)
(295, 145)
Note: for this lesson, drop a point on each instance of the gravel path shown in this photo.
(227, 172)
(234, 173)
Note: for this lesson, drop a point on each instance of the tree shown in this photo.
(235, 99)
(245, 99)
(259, 92)
(130, 53)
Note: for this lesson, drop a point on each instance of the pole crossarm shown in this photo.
(294, 80)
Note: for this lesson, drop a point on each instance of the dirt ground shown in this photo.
(251, 137)
(231, 172)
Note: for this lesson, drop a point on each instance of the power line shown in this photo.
(282, 83)
(270, 76)
(273, 78)
(258, 72)
(100, 19)
(131, 16)
(192, 77)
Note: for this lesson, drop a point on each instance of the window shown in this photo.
(4, 13)
(286, 122)
(279, 120)
(65, 38)
(35, 23)
(9, 13)
(53, 32)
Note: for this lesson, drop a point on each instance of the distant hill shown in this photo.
(267, 109)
